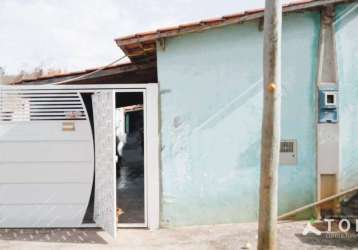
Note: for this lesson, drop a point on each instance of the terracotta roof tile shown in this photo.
(189, 25)
(253, 11)
(236, 15)
(167, 29)
(212, 20)
(145, 33)
(128, 37)
(123, 42)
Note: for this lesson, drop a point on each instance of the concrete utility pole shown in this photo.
(271, 119)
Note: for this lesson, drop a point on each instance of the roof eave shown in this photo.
(132, 45)
(112, 70)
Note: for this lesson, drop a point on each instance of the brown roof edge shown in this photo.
(121, 68)
(216, 22)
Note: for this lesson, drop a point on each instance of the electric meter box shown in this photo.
(328, 103)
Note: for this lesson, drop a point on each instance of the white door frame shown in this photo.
(151, 103)
(146, 160)
(152, 158)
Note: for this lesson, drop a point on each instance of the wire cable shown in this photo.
(349, 11)
(88, 74)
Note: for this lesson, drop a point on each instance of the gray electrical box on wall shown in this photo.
(328, 103)
(288, 152)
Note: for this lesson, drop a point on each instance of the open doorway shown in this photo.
(125, 189)
(130, 163)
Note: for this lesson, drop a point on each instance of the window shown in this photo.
(330, 98)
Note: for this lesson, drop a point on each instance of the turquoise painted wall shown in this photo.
(211, 102)
(347, 51)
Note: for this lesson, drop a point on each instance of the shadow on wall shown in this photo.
(230, 107)
(53, 235)
(347, 14)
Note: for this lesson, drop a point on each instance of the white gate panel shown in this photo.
(67, 172)
(43, 193)
(49, 131)
(56, 151)
(41, 215)
(46, 158)
(105, 168)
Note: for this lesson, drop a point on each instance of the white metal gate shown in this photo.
(46, 158)
(47, 155)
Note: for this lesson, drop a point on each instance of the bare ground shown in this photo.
(235, 236)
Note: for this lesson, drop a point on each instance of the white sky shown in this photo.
(78, 34)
